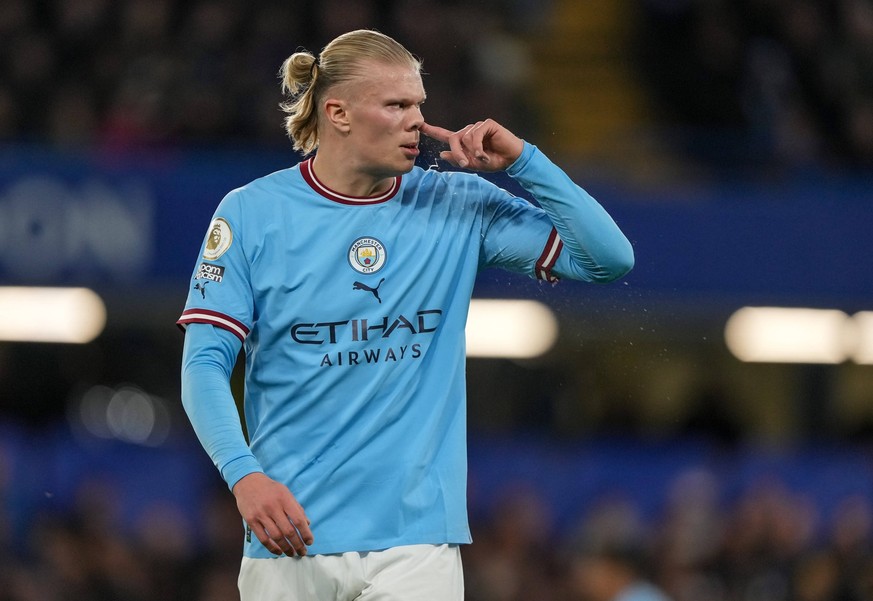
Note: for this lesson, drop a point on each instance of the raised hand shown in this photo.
(481, 146)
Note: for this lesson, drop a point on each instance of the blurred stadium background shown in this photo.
(731, 139)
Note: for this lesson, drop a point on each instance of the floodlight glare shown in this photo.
(70, 315)
(863, 348)
(519, 329)
(787, 335)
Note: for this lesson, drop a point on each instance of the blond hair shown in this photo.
(305, 78)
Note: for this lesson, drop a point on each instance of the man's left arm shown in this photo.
(598, 250)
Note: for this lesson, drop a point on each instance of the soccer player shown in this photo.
(347, 278)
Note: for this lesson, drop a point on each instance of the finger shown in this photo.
(304, 530)
(437, 133)
(292, 541)
(297, 519)
(448, 157)
(280, 539)
(474, 141)
(296, 538)
(459, 152)
(266, 539)
(280, 534)
(457, 155)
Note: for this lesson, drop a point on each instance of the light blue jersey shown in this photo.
(352, 313)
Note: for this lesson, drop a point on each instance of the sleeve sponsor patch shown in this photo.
(208, 271)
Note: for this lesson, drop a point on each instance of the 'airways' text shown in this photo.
(378, 355)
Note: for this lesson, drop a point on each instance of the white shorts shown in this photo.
(408, 573)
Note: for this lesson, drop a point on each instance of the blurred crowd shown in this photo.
(785, 81)
(88, 552)
(789, 81)
(133, 73)
(765, 543)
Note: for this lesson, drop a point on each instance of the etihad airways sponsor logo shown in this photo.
(363, 329)
(347, 332)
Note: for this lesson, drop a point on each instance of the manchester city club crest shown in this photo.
(367, 255)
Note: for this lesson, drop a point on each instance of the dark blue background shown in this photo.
(795, 240)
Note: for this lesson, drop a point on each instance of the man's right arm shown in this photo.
(208, 358)
(267, 506)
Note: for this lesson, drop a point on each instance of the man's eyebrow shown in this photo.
(405, 99)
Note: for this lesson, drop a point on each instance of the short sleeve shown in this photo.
(220, 292)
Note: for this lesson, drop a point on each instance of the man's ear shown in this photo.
(337, 114)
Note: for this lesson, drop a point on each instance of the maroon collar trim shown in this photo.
(309, 175)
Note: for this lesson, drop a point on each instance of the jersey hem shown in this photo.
(362, 546)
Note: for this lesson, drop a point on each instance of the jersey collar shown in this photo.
(309, 175)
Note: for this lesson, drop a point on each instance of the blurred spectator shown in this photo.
(513, 557)
(611, 573)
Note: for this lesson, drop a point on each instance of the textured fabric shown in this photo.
(352, 313)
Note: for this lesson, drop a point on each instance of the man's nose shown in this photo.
(417, 119)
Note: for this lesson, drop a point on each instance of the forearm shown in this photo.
(598, 249)
(207, 361)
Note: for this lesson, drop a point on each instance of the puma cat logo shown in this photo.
(375, 291)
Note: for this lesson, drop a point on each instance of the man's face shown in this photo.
(384, 119)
